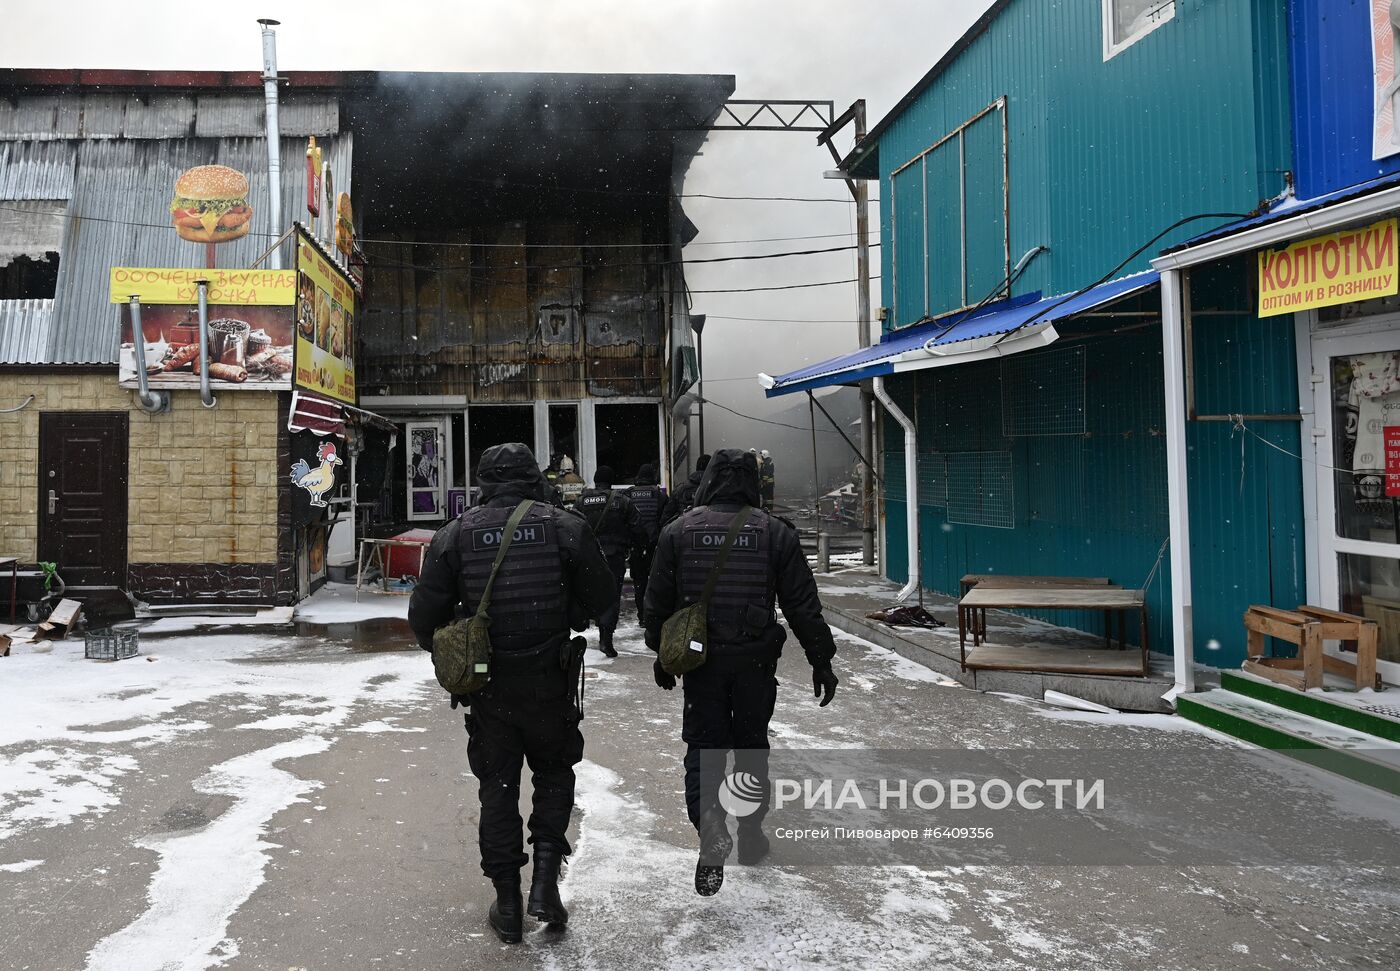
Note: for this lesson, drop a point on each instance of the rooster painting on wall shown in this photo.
(320, 480)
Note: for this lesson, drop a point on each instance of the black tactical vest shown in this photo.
(529, 598)
(742, 606)
(602, 508)
(648, 500)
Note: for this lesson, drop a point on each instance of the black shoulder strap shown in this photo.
(595, 524)
(740, 519)
(507, 536)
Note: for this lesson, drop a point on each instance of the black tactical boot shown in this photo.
(544, 888)
(753, 844)
(505, 916)
(715, 844)
(605, 644)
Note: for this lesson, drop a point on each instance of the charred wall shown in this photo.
(518, 310)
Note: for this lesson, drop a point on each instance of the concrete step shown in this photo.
(1374, 713)
(1357, 755)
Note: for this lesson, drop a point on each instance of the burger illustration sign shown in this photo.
(211, 205)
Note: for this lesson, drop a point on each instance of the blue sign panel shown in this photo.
(1346, 99)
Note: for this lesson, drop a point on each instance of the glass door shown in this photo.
(425, 469)
(1357, 409)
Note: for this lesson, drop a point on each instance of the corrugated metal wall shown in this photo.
(1103, 156)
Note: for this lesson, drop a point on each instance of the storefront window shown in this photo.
(1371, 588)
(489, 425)
(563, 437)
(1345, 313)
(628, 437)
(1365, 399)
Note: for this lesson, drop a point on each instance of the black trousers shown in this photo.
(728, 704)
(607, 621)
(515, 719)
(640, 568)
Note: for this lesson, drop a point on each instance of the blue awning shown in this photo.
(1293, 207)
(1007, 327)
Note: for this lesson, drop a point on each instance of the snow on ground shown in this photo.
(190, 902)
(79, 727)
(335, 603)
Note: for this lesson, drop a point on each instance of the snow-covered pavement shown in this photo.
(299, 798)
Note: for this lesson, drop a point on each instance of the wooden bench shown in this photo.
(1112, 600)
(1013, 582)
(1309, 627)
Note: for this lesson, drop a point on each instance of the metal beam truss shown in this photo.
(771, 115)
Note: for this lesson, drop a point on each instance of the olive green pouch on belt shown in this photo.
(685, 635)
(462, 650)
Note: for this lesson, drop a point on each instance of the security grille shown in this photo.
(1043, 394)
(933, 479)
(980, 489)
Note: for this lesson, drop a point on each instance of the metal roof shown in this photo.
(24, 330)
(993, 321)
(1292, 207)
(36, 170)
(47, 115)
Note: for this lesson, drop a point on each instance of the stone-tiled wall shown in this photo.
(203, 493)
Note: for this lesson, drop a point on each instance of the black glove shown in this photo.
(663, 680)
(824, 684)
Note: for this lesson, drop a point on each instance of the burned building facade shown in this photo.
(523, 275)
(519, 251)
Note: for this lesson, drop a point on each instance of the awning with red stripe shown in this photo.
(315, 414)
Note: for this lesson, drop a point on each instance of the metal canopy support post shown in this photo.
(860, 190)
(1174, 329)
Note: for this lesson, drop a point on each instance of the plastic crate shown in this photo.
(110, 644)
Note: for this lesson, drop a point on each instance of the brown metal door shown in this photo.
(82, 495)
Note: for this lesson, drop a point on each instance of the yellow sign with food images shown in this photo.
(249, 288)
(325, 315)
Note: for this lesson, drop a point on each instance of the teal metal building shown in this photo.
(1056, 147)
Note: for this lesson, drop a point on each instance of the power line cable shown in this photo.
(646, 263)
(497, 281)
(1124, 262)
(450, 243)
(765, 421)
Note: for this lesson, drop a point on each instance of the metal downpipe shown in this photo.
(206, 397)
(150, 401)
(911, 482)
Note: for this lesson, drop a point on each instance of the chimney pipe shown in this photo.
(151, 401)
(206, 396)
(274, 143)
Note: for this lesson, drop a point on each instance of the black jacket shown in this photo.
(619, 528)
(729, 484)
(508, 474)
(682, 499)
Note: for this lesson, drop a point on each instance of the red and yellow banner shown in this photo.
(1342, 267)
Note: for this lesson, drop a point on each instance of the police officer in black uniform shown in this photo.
(729, 699)
(553, 579)
(684, 497)
(648, 497)
(618, 527)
